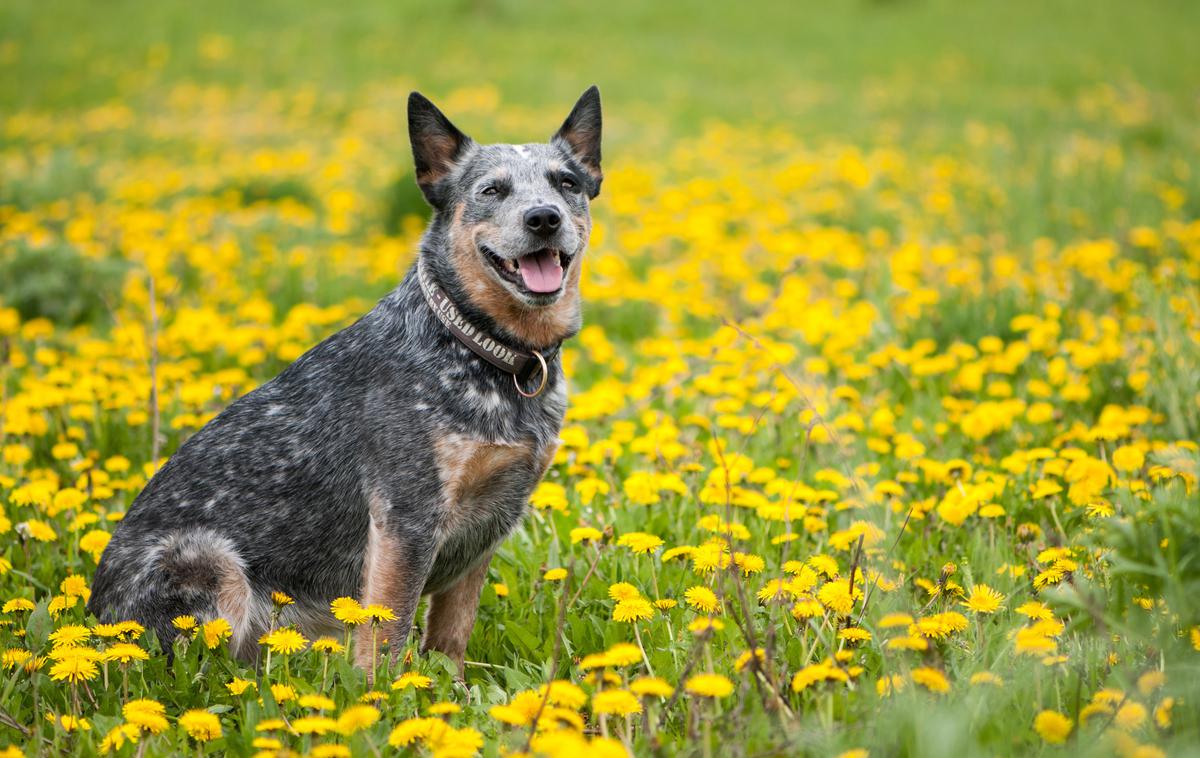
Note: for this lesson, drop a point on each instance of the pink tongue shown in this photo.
(541, 271)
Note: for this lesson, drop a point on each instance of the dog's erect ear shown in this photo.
(437, 144)
(580, 136)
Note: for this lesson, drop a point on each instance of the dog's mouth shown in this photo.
(539, 272)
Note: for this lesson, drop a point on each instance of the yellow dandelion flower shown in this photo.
(284, 641)
(237, 686)
(356, 718)
(931, 679)
(623, 591)
(184, 623)
(1053, 727)
(633, 609)
(616, 702)
(348, 611)
(412, 679)
(318, 702)
(709, 685)
(702, 599)
(651, 686)
(983, 599)
(201, 726)
(215, 632)
(17, 605)
(640, 542)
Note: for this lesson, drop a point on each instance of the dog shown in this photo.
(390, 461)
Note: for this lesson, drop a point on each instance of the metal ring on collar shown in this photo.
(542, 386)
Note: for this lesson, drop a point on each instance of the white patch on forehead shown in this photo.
(522, 150)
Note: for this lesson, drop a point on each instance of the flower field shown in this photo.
(879, 442)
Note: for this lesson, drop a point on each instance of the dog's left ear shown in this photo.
(437, 145)
(580, 136)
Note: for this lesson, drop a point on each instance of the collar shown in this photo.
(520, 364)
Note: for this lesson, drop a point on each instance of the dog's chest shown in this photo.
(484, 482)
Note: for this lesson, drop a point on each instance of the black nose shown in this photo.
(543, 220)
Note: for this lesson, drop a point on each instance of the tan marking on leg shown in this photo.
(383, 582)
(540, 326)
(451, 615)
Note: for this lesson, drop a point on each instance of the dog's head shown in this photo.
(516, 216)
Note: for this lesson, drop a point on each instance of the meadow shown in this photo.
(883, 424)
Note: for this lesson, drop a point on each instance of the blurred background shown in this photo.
(1028, 120)
(822, 68)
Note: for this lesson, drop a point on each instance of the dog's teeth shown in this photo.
(558, 257)
(511, 265)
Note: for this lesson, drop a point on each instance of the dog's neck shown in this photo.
(460, 272)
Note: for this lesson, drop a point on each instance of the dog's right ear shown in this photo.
(437, 145)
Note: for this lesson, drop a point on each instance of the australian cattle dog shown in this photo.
(389, 461)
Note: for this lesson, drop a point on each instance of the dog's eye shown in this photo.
(490, 191)
(569, 184)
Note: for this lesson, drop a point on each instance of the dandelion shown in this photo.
(76, 665)
(1128, 458)
(651, 686)
(640, 543)
(983, 599)
(412, 679)
(201, 726)
(314, 725)
(1052, 727)
(931, 679)
(285, 641)
(14, 657)
(585, 534)
(125, 652)
(348, 611)
(615, 702)
(215, 632)
(70, 636)
(555, 575)
(702, 599)
(854, 634)
(327, 645)
(744, 659)
(18, 605)
(893, 620)
(709, 685)
(148, 715)
(319, 702)
(356, 718)
(633, 609)
(379, 613)
(623, 591)
(237, 686)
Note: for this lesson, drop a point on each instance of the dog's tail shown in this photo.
(193, 572)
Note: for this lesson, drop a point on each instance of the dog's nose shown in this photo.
(543, 220)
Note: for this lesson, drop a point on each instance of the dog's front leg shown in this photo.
(395, 570)
(451, 614)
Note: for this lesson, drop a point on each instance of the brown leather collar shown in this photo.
(520, 364)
